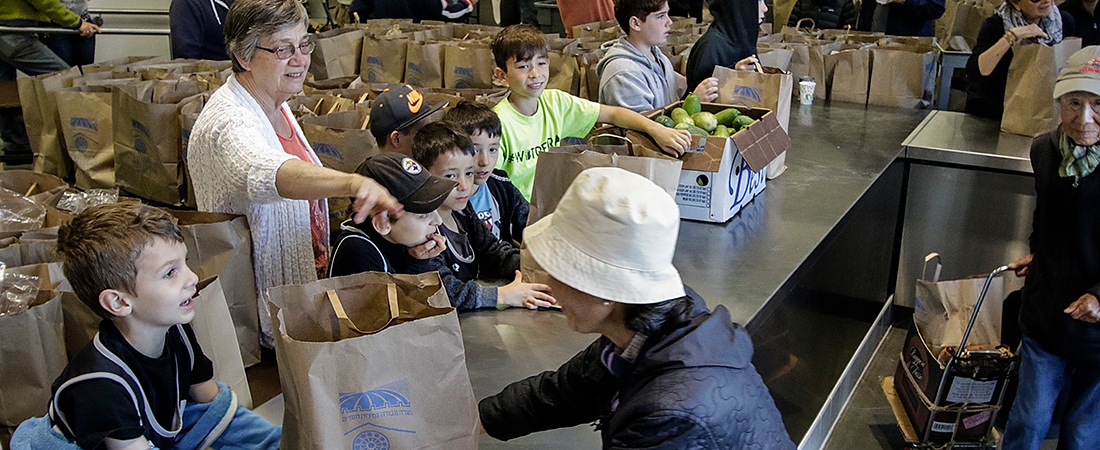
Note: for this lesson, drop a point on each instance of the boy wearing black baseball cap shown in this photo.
(396, 115)
(382, 243)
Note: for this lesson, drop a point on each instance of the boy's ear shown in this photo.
(381, 223)
(395, 138)
(499, 74)
(115, 302)
(635, 23)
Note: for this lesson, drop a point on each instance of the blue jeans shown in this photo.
(1043, 376)
(27, 54)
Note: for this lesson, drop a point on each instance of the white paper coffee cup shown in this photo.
(806, 92)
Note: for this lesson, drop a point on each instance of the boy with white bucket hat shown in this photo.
(665, 372)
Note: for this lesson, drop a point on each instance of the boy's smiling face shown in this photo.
(528, 77)
(488, 150)
(459, 167)
(164, 286)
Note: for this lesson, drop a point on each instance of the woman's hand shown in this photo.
(748, 63)
(518, 294)
(707, 90)
(1024, 32)
(370, 198)
(1020, 265)
(1086, 308)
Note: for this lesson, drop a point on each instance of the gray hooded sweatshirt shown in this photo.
(633, 80)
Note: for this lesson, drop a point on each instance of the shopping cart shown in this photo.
(940, 429)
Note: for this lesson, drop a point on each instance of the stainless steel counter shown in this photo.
(838, 153)
(962, 139)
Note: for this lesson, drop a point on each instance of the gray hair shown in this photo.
(249, 20)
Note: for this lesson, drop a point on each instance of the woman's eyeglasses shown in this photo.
(286, 51)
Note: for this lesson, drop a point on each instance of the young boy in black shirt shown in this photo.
(496, 202)
(472, 251)
(383, 243)
(130, 387)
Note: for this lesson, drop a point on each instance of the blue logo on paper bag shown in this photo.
(746, 92)
(372, 401)
(83, 122)
(370, 440)
(327, 150)
(464, 72)
(384, 402)
(374, 61)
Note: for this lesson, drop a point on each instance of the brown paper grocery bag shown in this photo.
(384, 59)
(1029, 95)
(424, 64)
(557, 168)
(468, 65)
(190, 109)
(771, 90)
(337, 53)
(80, 322)
(88, 131)
(40, 118)
(32, 355)
(26, 253)
(851, 75)
(347, 372)
(214, 331)
(565, 73)
(220, 245)
(902, 76)
(148, 155)
(808, 60)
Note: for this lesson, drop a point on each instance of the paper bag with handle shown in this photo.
(372, 358)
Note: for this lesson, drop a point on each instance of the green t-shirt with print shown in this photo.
(523, 137)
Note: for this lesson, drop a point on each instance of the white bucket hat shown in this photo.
(612, 236)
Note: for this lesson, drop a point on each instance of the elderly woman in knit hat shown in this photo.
(1060, 311)
(1014, 23)
(666, 372)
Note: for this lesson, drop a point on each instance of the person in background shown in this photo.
(901, 17)
(247, 155)
(1085, 23)
(580, 12)
(472, 251)
(1060, 313)
(196, 27)
(635, 74)
(1014, 23)
(417, 10)
(24, 51)
(686, 8)
(665, 372)
(496, 202)
(534, 119)
(74, 49)
(396, 115)
(384, 243)
(144, 375)
(729, 42)
(825, 13)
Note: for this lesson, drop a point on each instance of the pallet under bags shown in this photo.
(372, 360)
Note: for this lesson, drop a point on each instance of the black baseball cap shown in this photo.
(397, 108)
(408, 181)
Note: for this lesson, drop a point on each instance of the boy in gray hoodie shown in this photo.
(634, 74)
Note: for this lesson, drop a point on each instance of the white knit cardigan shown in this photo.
(233, 155)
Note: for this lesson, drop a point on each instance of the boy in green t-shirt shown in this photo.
(535, 119)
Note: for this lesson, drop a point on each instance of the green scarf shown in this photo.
(1077, 161)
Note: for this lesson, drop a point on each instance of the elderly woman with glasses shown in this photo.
(1014, 23)
(666, 373)
(248, 156)
(1060, 352)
